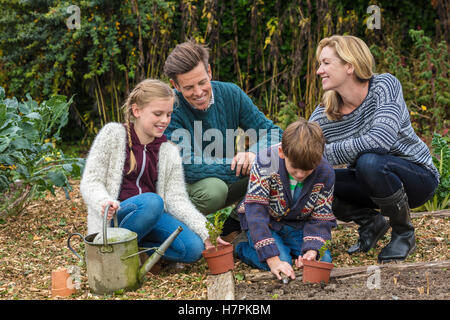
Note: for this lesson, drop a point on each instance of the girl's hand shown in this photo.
(309, 255)
(208, 243)
(112, 209)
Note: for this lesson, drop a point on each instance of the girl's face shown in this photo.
(333, 72)
(152, 119)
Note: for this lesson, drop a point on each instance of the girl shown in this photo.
(366, 124)
(133, 168)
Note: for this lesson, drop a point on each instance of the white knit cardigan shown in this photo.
(103, 172)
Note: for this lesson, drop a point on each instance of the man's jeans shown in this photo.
(145, 215)
(289, 242)
(380, 176)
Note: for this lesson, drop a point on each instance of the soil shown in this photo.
(34, 243)
(419, 284)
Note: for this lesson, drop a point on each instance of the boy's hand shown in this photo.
(309, 255)
(276, 266)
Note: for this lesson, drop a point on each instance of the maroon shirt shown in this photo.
(143, 178)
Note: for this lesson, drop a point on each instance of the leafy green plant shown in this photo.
(30, 161)
(441, 159)
(214, 225)
(324, 248)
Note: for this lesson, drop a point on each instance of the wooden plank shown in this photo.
(221, 286)
(351, 271)
(439, 213)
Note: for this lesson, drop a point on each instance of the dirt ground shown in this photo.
(422, 284)
(35, 242)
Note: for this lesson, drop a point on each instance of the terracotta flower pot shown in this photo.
(61, 284)
(219, 260)
(316, 271)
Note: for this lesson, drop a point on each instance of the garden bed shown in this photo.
(424, 281)
(35, 242)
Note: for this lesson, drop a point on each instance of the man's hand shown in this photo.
(309, 255)
(243, 161)
(276, 266)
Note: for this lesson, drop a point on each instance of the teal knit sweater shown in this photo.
(207, 138)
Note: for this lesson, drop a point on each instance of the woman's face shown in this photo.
(152, 119)
(332, 70)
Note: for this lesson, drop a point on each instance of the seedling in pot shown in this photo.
(215, 227)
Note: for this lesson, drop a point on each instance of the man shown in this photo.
(216, 173)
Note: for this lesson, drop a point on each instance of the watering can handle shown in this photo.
(105, 224)
(71, 249)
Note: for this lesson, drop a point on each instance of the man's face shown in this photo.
(195, 86)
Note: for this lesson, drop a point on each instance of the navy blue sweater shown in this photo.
(268, 204)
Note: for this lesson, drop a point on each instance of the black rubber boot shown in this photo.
(372, 225)
(403, 240)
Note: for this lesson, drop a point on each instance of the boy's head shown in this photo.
(302, 148)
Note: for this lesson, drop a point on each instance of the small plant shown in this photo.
(30, 161)
(215, 227)
(324, 248)
(441, 159)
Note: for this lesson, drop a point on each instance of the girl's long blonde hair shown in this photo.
(145, 92)
(350, 50)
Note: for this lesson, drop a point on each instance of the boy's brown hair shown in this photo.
(185, 57)
(303, 144)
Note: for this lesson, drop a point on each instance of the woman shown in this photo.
(366, 124)
(133, 168)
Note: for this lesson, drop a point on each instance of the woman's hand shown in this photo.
(277, 266)
(309, 255)
(208, 243)
(112, 209)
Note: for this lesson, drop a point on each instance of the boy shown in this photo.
(287, 209)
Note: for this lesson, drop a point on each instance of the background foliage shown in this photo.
(266, 47)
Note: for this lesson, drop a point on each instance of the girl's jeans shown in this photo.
(145, 215)
(289, 242)
(380, 176)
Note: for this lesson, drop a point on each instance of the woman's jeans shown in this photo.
(289, 242)
(145, 215)
(380, 176)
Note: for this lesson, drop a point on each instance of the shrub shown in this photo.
(30, 161)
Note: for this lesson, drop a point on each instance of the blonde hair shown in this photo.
(351, 50)
(145, 92)
(303, 144)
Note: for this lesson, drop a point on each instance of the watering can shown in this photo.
(112, 260)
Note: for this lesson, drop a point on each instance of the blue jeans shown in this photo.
(289, 242)
(145, 215)
(380, 176)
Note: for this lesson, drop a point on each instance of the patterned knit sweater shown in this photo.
(269, 205)
(380, 124)
(204, 133)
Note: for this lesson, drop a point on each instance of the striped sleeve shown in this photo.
(381, 137)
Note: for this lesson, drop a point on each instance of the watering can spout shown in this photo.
(154, 258)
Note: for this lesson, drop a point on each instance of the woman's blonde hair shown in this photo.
(351, 50)
(145, 92)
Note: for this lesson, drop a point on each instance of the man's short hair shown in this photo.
(185, 57)
(303, 144)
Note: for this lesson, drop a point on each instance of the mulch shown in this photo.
(35, 242)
